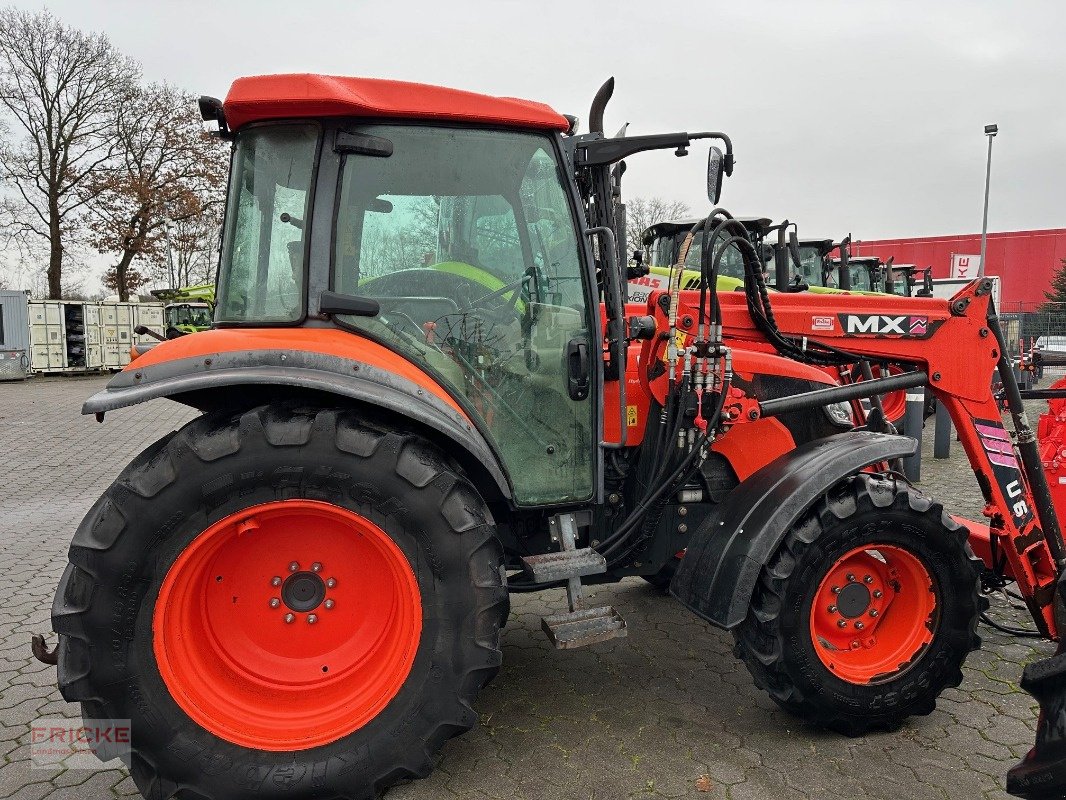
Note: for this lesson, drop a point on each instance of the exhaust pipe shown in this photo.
(599, 103)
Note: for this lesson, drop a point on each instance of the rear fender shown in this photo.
(206, 381)
(717, 576)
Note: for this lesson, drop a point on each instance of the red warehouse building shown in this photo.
(1024, 260)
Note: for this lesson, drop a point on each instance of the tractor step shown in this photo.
(566, 564)
(586, 626)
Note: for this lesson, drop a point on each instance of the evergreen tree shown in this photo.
(1049, 319)
(1056, 295)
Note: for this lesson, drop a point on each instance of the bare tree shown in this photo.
(61, 89)
(193, 244)
(643, 212)
(167, 169)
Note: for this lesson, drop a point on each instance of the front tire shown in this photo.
(285, 603)
(867, 611)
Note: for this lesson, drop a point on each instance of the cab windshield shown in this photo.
(860, 278)
(811, 266)
(195, 316)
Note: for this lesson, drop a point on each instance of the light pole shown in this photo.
(990, 132)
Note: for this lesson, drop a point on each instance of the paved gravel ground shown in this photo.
(665, 712)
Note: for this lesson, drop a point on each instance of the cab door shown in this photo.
(469, 241)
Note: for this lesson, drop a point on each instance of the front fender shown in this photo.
(195, 368)
(717, 576)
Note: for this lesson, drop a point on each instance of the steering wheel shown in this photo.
(442, 287)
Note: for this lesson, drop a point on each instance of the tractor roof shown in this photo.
(759, 224)
(825, 245)
(268, 97)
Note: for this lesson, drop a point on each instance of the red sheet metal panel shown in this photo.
(1024, 260)
(267, 97)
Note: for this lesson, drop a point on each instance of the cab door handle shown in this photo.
(577, 369)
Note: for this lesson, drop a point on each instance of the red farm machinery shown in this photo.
(424, 391)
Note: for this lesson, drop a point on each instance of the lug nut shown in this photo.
(851, 578)
(312, 619)
(868, 579)
(842, 623)
(329, 604)
(859, 626)
(316, 567)
(295, 565)
(873, 612)
(290, 618)
(832, 609)
(274, 602)
(275, 581)
(836, 590)
(331, 582)
(878, 594)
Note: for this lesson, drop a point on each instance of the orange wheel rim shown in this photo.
(287, 625)
(893, 403)
(873, 614)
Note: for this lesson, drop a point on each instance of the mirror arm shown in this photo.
(728, 162)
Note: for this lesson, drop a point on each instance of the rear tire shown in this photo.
(329, 474)
(909, 650)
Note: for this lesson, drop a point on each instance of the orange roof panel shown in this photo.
(267, 97)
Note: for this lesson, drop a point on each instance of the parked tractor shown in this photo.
(424, 391)
(189, 309)
(909, 280)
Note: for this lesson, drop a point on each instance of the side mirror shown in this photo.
(715, 173)
(794, 251)
(927, 283)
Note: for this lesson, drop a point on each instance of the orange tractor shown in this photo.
(424, 391)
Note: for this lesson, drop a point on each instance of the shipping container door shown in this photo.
(47, 345)
(114, 357)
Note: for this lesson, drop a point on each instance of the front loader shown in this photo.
(423, 391)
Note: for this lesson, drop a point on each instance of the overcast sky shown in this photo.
(845, 116)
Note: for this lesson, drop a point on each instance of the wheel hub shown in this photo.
(873, 613)
(853, 600)
(303, 591)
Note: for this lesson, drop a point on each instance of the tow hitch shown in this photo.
(41, 652)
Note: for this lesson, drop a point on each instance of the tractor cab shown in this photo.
(909, 280)
(664, 239)
(454, 246)
(814, 270)
(187, 317)
(860, 273)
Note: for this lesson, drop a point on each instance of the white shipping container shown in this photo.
(47, 339)
(73, 336)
